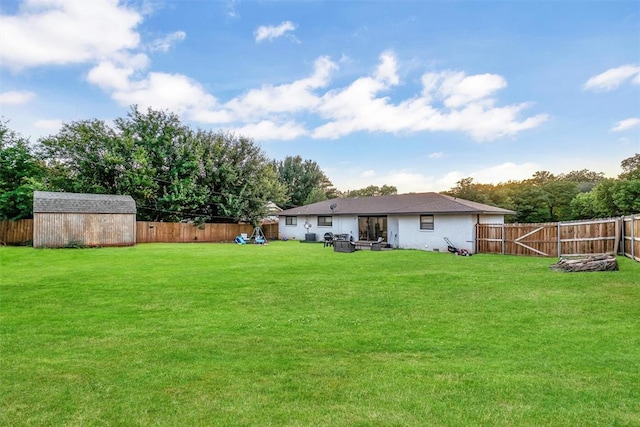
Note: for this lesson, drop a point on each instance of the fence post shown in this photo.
(476, 243)
(616, 243)
(624, 237)
(559, 242)
(633, 237)
(503, 240)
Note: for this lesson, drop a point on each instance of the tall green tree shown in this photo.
(302, 179)
(603, 198)
(173, 172)
(529, 202)
(557, 200)
(584, 206)
(585, 179)
(21, 173)
(468, 190)
(626, 196)
(540, 178)
(371, 190)
(238, 177)
(631, 167)
(83, 157)
(164, 163)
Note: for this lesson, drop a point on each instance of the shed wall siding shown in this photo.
(62, 229)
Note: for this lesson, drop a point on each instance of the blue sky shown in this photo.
(416, 94)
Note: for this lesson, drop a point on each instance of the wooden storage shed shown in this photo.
(75, 219)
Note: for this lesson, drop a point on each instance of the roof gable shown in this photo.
(53, 202)
(400, 204)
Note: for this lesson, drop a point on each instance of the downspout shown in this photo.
(474, 238)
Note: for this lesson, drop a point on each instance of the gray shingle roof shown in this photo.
(51, 202)
(399, 204)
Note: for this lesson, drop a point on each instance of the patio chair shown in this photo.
(377, 245)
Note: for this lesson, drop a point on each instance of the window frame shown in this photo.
(325, 224)
(291, 220)
(424, 225)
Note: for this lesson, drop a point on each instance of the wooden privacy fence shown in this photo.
(21, 232)
(18, 232)
(631, 236)
(177, 232)
(599, 236)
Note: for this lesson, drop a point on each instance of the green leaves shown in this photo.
(21, 173)
(304, 181)
(173, 172)
(546, 197)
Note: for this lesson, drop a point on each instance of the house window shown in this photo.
(291, 220)
(426, 222)
(325, 221)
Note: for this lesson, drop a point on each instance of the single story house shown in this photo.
(65, 219)
(407, 221)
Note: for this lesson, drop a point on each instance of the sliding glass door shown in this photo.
(372, 227)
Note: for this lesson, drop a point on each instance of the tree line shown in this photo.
(546, 197)
(173, 172)
(176, 173)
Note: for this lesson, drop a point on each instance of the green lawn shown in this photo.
(295, 334)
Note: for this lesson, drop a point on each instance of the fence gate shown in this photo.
(532, 239)
(550, 239)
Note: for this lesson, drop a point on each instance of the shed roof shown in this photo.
(399, 204)
(53, 202)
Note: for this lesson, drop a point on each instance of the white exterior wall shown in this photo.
(458, 228)
(393, 231)
(403, 231)
(342, 224)
(491, 219)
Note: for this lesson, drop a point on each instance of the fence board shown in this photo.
(597, 236)
(18, 232)
(631, 237)
(21, 232)
(175, 232)
(575, 237)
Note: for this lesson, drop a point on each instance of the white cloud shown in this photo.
(270, 32)
(436, 155)
(287, 98)
(613, 77)
(626, 124)
(468, 106)
(409, 180)
(50, 125)
(109, 76)
(387, 71)
(456, 89)
(174, 92)
(230, 9)
(268, 130)
(504, 172)
(405, 181)
(164, 44)
(63, 32)
(449, 101)
(16, 97)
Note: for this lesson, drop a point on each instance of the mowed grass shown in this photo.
(292, 334)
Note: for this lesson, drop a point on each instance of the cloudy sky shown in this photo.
(416, 94)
